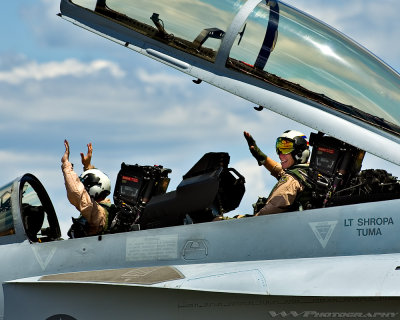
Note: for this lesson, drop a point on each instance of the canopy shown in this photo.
(264, 45)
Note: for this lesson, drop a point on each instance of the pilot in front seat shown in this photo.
(88, 194)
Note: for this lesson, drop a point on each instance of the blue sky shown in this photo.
(58, 81)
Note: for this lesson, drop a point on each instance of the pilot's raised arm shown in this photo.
(87, 191)
(262, 159)
(293, 150)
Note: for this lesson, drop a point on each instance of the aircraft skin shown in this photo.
(316, 260)
(294, 288)
(330, 262)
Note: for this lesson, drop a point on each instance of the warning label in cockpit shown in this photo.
(152, 248)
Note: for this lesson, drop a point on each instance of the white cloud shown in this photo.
(50, 70)
(258, 183)
(160, 79)
(17, 158)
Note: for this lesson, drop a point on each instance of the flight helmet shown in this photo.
(295, 143)
(96, 183)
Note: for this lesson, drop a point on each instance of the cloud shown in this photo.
(160, 79)
(258, 184)
(50, 70)
(8, 157)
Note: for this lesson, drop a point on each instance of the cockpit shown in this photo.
(210, 189)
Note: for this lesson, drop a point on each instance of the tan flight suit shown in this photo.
(77, 195)
(283, 194)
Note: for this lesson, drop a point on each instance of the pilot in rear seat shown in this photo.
(88, 193)
(292, 148)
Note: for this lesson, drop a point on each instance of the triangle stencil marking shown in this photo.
(323, 231)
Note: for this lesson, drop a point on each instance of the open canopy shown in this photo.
(266, 44)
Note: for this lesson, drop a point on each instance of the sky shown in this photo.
(58, 82)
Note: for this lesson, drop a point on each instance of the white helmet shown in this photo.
(295, 143)
(96, 183)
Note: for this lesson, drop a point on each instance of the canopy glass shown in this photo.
(278, 45)
(295, 52)
(193, 26)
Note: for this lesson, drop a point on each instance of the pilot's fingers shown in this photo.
(66, 144)
(249, 139)
(65, 157)
(88, 156)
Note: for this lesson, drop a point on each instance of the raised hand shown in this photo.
(254, 149)
(65, 157)
(86, 159)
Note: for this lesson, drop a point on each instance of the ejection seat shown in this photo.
(208, 189)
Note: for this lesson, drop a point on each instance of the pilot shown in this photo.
(292, 148)
(88, 193)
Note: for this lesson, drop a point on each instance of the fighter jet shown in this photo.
(336, 256)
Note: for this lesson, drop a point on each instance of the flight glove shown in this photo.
(255, 150)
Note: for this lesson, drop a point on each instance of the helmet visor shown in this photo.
(284, 146)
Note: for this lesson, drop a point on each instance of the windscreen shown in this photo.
(305, 57)
(193, 26)
(37, 212)
(6, 217)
